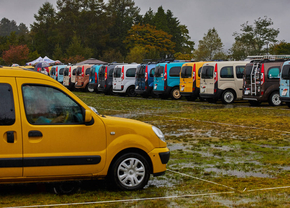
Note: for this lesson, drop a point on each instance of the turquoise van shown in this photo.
(166, 80)
(59, 73)
(285, 83)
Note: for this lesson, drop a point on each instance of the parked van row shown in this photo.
(255, 80)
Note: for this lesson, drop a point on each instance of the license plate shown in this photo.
(247, 92)
(136, 87)
(99, 85)
(202, 90)
(284, 92)
(155, 87)
(182, 89)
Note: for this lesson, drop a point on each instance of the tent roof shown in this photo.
(91, 61)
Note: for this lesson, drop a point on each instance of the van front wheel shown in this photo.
(131, 91)
(175, 93)
(130, 172)
(228, 97)
(274, 99)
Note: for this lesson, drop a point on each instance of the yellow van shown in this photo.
(49, 134)
(190, 80)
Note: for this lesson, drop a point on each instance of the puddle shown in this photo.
(176, 146)
(158, 182)
(239, 174)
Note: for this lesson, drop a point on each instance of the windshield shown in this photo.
(159, 71)
(207, 72)
(186, 72)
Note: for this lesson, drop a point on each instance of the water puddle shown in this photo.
(237, 173)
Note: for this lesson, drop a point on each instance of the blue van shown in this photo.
(166, 80)
(59, 73)
(144, 80)
(93, 82)
(285, 83)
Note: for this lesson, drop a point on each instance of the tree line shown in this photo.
(116, 31)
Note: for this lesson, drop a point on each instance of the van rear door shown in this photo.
(285, 81)
(117, 77)
(10, 130)
(186, 78)
(159, 78)
(207, 81)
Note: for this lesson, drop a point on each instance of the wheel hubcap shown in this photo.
(131, 172)
(229, 97)
(176, 94)
(276, 100)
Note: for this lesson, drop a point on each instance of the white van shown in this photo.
(124, 79)
(222, 80)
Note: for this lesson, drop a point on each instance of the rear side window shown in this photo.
(227, 72)
(152, 72)
(286, 72)
(207, 72)
(130, 72)
(186, 72)
(174, 71)
(273, 73)
(48, 105)
(117, 72)
(240, 71)
(7, 113)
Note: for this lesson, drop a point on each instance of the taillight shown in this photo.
(146, 73)
(69, 72)
(215, 74)
(38, 69)
(83, 71)
(122, 75)
(262, 74)
(193, 72)
(165, 73)
(96, 77)
(106, 73)
(56, 70)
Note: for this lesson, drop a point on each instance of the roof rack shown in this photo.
(269, 57)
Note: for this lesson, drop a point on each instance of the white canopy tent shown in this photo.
(40, 59)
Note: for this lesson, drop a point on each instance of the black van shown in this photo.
(106, 79)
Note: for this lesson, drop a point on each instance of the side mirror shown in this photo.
(89, 120)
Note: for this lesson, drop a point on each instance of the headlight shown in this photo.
(158, 133)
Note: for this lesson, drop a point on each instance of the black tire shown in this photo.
(66, 187)
(130, 172)
(211, 100)
(175, 94)
(288, 104)
(153, 95)
(144, 95)
(190, 98)
(86, 88)
(228, 97)
(274, 99)
(254, 103)
(131, 91)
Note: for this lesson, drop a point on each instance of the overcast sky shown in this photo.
(198, 15)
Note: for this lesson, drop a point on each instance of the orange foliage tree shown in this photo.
(150, 38)
(16, 54)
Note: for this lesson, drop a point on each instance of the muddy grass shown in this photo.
(221, 156)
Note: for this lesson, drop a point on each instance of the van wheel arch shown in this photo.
(228, 96)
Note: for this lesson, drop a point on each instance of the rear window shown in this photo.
(111, 72)
(159, 71)
(65, 72)
(79, 70)
(92, 72)
(7, 112)
(131, 72)
(227, 72)
(207, 72)
(273, 73)
(240, 71)
(117, 72)
(102, 71)
(88, 71)
(286, 72)
(175, 71)
(248, 72)
(152, 72)
(74, 72)
(140, 72)
(61, 71)
(52, 71)
(199, 71)
(186, 72)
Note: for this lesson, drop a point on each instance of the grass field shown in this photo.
(221, 156)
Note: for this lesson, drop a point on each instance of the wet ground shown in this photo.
(221, 156)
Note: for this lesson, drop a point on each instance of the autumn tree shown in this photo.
(281, 48)
(136, 54)
(16, 54)
(210, 47)
(256, 37)
(150, 38)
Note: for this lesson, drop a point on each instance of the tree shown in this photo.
(257, 36)
(16, 54)
(76, 48)
(239, 51)
(149, 37)
(210, 47)
(7, 26)
(281, 48)
(136, 54)
(112, 56)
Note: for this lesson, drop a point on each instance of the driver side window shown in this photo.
(48, 105)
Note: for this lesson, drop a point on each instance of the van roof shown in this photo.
(224, 63)
(23, 72)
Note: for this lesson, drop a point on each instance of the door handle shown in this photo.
(34, 134)
(10, 136)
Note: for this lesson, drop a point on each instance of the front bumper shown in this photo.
(159, 158)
